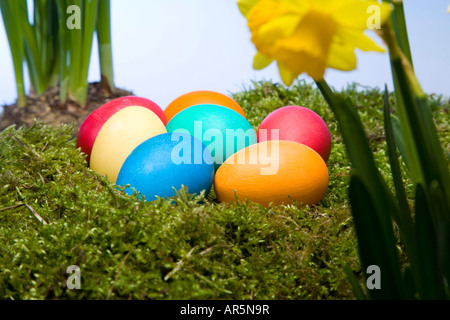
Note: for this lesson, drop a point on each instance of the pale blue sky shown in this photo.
(163, 49)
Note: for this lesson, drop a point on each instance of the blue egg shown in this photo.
(167, 162)
(222, 130)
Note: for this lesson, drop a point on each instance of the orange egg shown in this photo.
(273, 172)
(201, 97)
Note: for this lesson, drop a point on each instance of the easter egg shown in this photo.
(222, 130)
(273, 172)
(120, 135)
(93, 123)
(165, 162)
(298, 124)
(201, 97)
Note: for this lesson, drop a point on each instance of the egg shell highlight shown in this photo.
(273, 172)
(201, 97)
(93, 123)
(297, 124)
(165, 162)
(222, 130)
(120, 135)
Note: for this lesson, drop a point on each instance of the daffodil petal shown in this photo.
(330, 5)
(246, 5)
(358, 39)
(358, 14)
(261, 14)
(302, 62)
(261, 61)
(264, 12)
(342, 57)
(286, 75)
(279, 27)
(296, 6)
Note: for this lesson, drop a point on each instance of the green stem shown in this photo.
(74, 48)
(81, 49)
(32, 48)
(398, 20)
(15, 40)
(104, 45)
(62, 48)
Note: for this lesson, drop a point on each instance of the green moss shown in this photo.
(176, 248)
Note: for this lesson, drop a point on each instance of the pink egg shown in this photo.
(95, 121)
(299, 124)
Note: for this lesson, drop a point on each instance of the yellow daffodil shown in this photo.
(311, 35)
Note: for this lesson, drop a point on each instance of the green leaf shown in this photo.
(428, 286)
(32, 47)
(47, 44)
(375, 247)
(403, 218)
(440, 209)
(398, 137)
(417, 117)
(357, 290)
(89, 26)
(359, 152)
(409, 282)
(411, 156)
(372, 202)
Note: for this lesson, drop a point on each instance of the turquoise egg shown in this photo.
(222, 130)
(167, 162)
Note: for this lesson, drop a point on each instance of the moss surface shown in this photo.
(55, 212)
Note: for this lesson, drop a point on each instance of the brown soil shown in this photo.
(47, 108)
